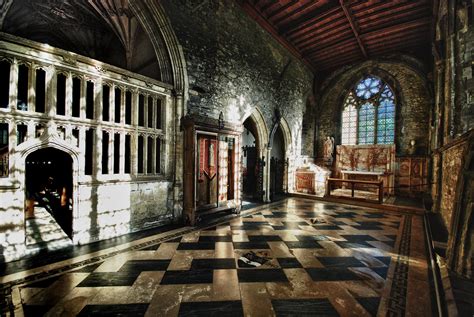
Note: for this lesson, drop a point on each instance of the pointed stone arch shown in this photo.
(262, 138)
(169, 53)
(257, 120)
(47, 140)
(280, 122)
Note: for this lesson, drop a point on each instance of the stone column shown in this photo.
(266, 175)
(145, 153)
(145, 110)
(97, 158)
(13, 171)
(30, 130)
(51, 88)
(111, 152)
(31, 88)
(98, 101)
(177, 136)
(112, 103)
(122, 107)
(82, 150)
(68, 134)
(68, 110)
(133, 154)
(82, 107)
(153, 155)
(135, 108)
(13, 85)
(122, 153)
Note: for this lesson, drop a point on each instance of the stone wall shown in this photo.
(109, 210)
(234, 65)
(464, 83)
(453, 123)
(412, 98)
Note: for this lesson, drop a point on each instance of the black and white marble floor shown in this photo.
(320, 259)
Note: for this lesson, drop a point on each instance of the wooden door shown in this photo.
(207, 171)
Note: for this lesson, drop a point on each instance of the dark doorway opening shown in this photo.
(252, 164)
(277, 166)
(48, 181)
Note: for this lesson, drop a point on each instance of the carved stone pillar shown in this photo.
(122, 153)
(31, 88)
(68, 111)
(13, 84)
(51, 88)
(267, 175)
(83, 98)
(97, 158)
(82, 150)
(112, 103)
(111, 152)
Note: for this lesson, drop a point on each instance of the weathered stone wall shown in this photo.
(234, 65)
(453, 122)
(109, 210)
(464, 83)
(412, 98)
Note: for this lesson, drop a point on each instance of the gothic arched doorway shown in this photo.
(254, 142)
(277, 165)
(48, 191)
(250, 162)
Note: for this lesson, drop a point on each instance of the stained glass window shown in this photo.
(368, 87)
(386, 117)
(368, 114)
(366, 123)
(349, 121)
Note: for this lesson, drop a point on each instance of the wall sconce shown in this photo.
(221, 121)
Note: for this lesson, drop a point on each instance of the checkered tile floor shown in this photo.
(322, 260)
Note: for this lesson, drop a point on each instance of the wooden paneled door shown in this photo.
(207, 171)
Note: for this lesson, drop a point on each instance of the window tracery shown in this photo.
(368, 115)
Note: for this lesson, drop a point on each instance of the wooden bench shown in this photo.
(352, 182)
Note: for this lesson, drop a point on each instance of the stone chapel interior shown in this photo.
(121, 116)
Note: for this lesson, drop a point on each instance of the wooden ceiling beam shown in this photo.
(394, 19)
(322, 30)
(354, 27)
(400, 37)
(332, 36)
(398, 28)
(295, 13)
(333, 47)
(310, 18)
(281, 9)
(329, 55)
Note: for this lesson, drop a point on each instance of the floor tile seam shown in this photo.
(62, 267)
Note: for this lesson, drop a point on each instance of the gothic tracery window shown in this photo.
(368, 115)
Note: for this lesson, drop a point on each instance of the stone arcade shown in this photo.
(250, 157)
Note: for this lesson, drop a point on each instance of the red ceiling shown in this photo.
(327, 34)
